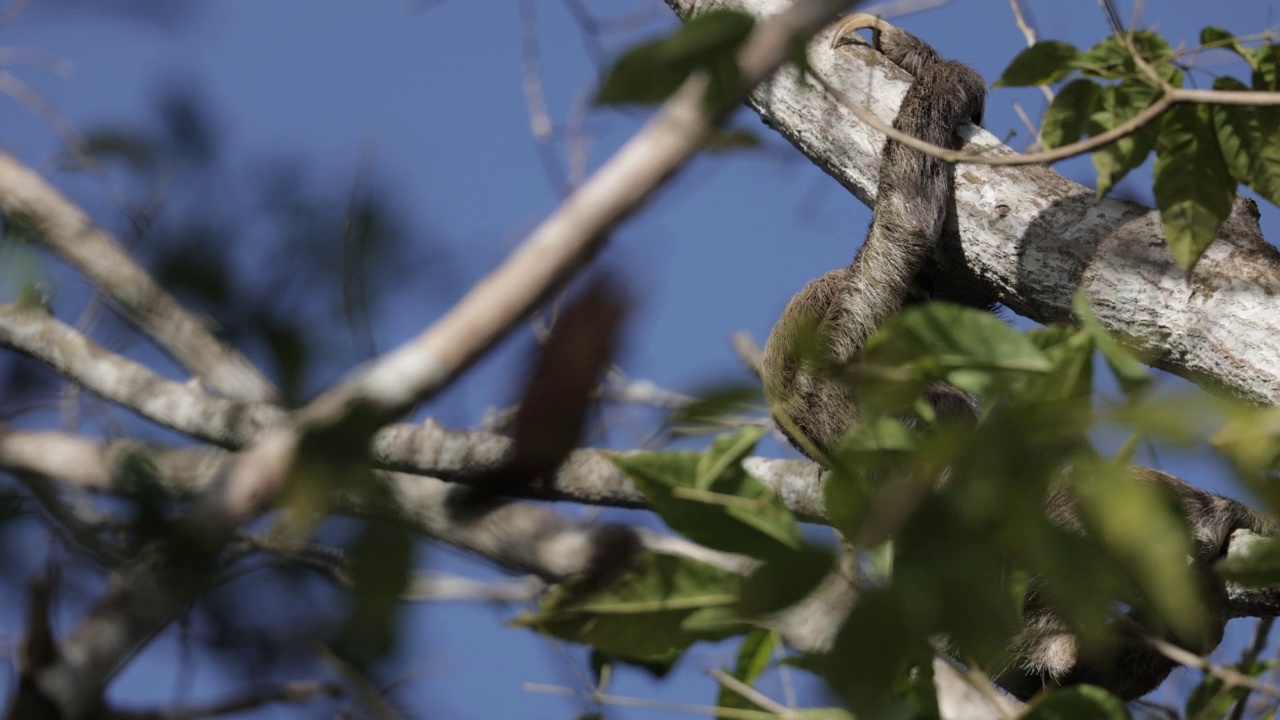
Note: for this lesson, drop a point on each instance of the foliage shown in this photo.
(649, 73)
(974, 541)
(1227, 144)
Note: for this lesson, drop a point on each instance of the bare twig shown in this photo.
(540, 125)
(1230, 677)
(1030, 34)
(752, 695)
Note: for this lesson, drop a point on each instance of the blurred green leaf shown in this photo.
(1044, 63)
(965, 347)
(655, 666)
(1210, 698)
(711, 499)
(1249, 138)
(1079, 701)
(1266, 67)
(381, 562)
(784, 581)
(713, 406)
(754, 655)
(1217, 37)
(1141, 525)
(643, 614)
(1133, 376)
(650, 73)
(1070, 351)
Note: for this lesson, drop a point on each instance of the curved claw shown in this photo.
(843, 32)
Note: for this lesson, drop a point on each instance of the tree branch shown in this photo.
(32, 204)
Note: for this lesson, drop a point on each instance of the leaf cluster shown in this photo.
(961, 504)
(1202, 152)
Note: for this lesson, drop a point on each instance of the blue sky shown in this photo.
(433, 102)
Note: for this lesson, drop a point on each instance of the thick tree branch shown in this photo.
(1030, 238)
(426, 449)
(32, 204)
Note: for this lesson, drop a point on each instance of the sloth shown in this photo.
(843, 307)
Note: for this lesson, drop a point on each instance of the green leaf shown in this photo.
(711, 499)
(1133, 376)
(1217, 37)
(785, 581)
(1044, 63)
(967, 347)
(1141, 525)
(1067, 118)
(1079, 701)
(725, 455)
(643, 614)
(1249, 138)
(650, 73)
(1251, 439)
(712, 406)
(1110, 59)
(754, 655)
(871, 660)
(380, 565)
(1114, 106)
(1266, 68)
(1209, 699)
(1071, 352)
(1193, 187)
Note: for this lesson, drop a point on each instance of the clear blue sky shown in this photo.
(435, 99)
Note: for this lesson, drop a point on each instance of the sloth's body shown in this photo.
(891, 269)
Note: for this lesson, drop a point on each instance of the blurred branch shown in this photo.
(1249, 656)
(294, 692)
(184, 407)
(449, 456)
(449, 588)
(31, 204)
(428, 449)
(1230, 677)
